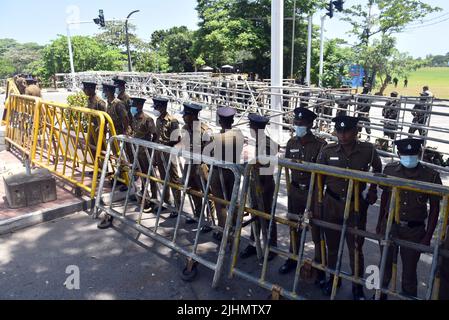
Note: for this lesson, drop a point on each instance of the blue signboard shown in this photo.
(356, 73)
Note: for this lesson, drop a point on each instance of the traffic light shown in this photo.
(101, 16)
(330, 10)
(100, 20)
(339, 5)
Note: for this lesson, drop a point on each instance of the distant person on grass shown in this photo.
(395, 82)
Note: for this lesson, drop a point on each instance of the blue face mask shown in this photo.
(410, 162)
(301, 131)
(117, 91)
(104, 96)
(134, 111)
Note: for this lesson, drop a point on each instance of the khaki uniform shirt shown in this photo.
(33, 90)
(165, 126)
(413, 205)
(306, 149)
(117, 111)
(95, 103)
(203, 138)
(362, 158)
(228, 146)
(125, 98)
(143, 127)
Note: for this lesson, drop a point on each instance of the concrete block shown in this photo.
(24, 190)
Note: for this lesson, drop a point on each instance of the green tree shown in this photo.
(383, 18)
(6, 68)
(238, 32)
(89, 55)
(337, 59)
(114, 35)
(17, 57)
(176, 45)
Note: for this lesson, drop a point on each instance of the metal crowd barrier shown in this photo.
(11, 88)
(309, 218)
(255, 96)
(157, 226)
(70, 142)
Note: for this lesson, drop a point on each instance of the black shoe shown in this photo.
(320, 280)
(206, 229)
(271, 256)
(248, 252)
(357, 293)
(190, 220)
(288, 266)
(106, 223)
(217, 236)
(148, 208)
(327, 289)
(173, 215)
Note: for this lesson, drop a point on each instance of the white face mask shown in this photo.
(410, 162)
(301, 131)
(117, 91)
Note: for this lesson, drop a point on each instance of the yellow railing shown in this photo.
(11, 88)
(68, 141)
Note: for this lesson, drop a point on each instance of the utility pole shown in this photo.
(277, 67)
(323, 18)
(130, 67)
(99, 21)
(293, 41)
(309, 51)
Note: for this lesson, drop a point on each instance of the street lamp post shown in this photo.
(309, 51)
(293, 41)
(130, 68)
(323, 18)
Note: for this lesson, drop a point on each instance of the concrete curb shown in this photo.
(38, 217)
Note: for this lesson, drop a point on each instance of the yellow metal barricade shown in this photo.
(388, 240)
(11, 88)
(68, 141)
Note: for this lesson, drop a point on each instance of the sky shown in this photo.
(41, 21)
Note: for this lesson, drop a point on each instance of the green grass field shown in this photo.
(436, 78)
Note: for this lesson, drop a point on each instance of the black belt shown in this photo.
(412, 224)
(302, 187)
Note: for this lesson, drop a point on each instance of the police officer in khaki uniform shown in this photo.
(116, 109)
(123, 96)
(413, 212)
(198, 137)
(32, 89)
(262, 185)
(144, 129)
(21, 83)
(348, 153)
(228, 147)
(168, 134)
(93, 103)
(303, 147)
